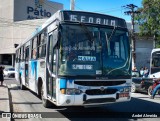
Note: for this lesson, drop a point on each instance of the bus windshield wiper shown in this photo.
(90, 36)
(113, 32)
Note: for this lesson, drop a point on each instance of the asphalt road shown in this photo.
(139, 108)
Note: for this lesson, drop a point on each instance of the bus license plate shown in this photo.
(124, 95)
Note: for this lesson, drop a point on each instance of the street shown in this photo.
(140, 107)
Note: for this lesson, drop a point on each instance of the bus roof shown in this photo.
(79, 16)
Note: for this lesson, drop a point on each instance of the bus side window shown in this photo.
(20, 53)
(54, 60)
(42, 45)
(34, 48)
(27, 53)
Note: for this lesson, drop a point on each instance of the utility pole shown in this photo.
(72, 4)
(132, 12)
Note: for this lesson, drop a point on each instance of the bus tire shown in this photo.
(22, 87)
(46, 103)
(40, 88)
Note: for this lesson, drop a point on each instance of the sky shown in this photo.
(109, 7)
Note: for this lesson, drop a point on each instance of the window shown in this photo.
(52, 55)
(50, 50)
(42, 44)
(34, 48)
(22, 53)
(17, 55)
(27, 53)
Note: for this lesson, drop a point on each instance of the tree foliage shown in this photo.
(149, 19)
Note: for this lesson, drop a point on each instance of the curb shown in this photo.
(4, 102)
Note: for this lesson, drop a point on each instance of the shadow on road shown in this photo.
(124, 111)
(136, 108)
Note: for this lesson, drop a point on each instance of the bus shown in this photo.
(155, 63)
(77, 58)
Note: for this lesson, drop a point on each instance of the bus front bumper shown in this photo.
(89, 100)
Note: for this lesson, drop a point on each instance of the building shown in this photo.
(143, 48)
(18, 19)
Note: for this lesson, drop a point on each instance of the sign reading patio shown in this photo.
(37, 12)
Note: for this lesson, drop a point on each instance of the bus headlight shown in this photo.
(71, 91)
(124, 90)
(121, 90)
(127, 89)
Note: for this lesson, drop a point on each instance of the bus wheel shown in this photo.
(22, 87)
(46, 103)
(40, 89)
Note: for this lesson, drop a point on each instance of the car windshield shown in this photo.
(88, 50)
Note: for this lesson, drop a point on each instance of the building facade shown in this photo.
(18, 19)
(143, 48)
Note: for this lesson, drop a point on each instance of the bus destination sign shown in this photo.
(95, 18)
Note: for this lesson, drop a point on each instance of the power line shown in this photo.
(111, 9)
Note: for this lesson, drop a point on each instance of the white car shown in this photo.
(9, 72)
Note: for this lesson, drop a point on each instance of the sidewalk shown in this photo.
(4, 102)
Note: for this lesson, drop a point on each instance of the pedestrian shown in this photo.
(1, 75)
(155, 89)
(146, 72)
(141, 72)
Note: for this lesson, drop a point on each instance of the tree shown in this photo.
(149, 19)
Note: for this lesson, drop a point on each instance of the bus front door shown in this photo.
(51, 81)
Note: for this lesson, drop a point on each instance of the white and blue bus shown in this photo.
(155, 63)
(77, 59)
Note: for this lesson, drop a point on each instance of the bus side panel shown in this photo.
(41, 72)
(33, 74)
(22, 72)
(17, 66)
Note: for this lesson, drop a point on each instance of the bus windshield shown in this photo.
(96, 51)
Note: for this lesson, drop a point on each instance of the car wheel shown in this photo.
(150, 90)
(133, 88)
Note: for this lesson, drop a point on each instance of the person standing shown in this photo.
(141, 72)
(1, 75)
(146, 72)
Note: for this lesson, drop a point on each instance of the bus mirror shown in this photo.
(15, 45)
(59, 35)
(58, 39)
